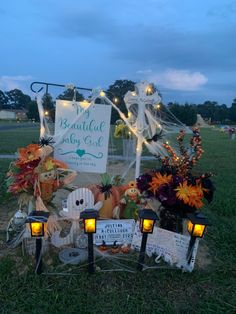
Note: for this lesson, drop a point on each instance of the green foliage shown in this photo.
(232, 111)
(122, 130)
(3, 99)
(186, 114)
(33, 112)
(69, 95)
(119, 89)
(17, 99)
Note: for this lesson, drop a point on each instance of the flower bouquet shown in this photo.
(36, 174)
(173, 184)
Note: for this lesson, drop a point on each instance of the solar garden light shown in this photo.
(89, 217)
(38, 221)
(146, 224)
(196, 227)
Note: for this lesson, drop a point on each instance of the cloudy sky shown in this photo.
(187, 48)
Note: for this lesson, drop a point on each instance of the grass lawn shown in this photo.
(209, 290)
(12, 139)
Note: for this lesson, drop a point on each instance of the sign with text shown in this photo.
(170, 246)
(82, 133)
(113, 230)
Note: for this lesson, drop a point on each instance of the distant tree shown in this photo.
(33, 111)
(232, 111)
(185, 113)
(17, 99)
(221, 114)
(119, 89)
(69, 95)
(3, 99)
(49, 105)
(207, 109)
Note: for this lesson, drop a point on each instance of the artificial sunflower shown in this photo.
(190, 195)
(158, 179)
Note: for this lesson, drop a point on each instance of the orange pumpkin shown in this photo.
(107, 194)
(109, 199)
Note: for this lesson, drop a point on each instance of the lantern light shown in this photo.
(102, 94)
(147, 220)
(38, 220)
(89, 217)
(46, 113)
(196, 227)
(197, 224)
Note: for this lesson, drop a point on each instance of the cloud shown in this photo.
(181, 80)
(12, 82)
(87, 23)
(148, 71)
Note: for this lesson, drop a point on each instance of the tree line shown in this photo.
(187, 113)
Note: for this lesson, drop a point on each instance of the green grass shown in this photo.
(209, 290)
(11, 140)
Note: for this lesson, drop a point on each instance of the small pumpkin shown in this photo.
(107, 194)
(125, 249)
(103, 246)
(115, 248)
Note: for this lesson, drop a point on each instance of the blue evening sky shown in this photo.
(187, 48)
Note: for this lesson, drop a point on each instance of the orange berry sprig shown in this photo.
(196, 143)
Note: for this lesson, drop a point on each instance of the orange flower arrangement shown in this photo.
(29, 153)
(190, 195)
(174, 185)
(158, 179)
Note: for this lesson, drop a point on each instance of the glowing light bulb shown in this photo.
(46, 113)
(133, 93)
(149, 89)
(90, 225)
(147, 225)
(102, 94)
(84, 103)
(37, 228)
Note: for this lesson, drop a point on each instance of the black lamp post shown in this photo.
(196, 227)
(38, 221)
(89, 217)
(146, 224)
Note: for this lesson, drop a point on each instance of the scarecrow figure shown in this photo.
(129, 203)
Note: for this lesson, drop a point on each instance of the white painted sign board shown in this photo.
(171, 246)
(113, 230)
(82, 135)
